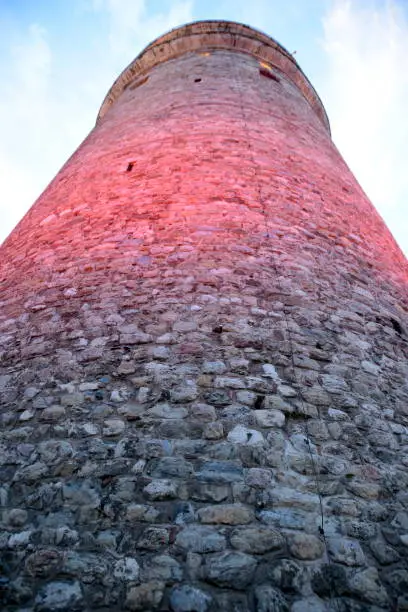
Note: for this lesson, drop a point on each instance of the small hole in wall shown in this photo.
(130, 167)
(397, 327)
(268, 74)
(259, 402)
(197, 80)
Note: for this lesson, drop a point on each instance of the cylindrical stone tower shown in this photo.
(204, 354)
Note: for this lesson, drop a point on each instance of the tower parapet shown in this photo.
(211, 35)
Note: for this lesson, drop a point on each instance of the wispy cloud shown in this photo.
(365, 88)
(24, 103)
(133, 25)
(50, 102)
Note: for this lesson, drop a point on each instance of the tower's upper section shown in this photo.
(202, 35)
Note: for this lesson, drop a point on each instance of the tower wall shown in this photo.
(204, 354)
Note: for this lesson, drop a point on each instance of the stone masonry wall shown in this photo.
(204, 340)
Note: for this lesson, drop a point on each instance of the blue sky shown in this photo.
(58, 60)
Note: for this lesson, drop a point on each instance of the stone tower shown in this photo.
(204, 392)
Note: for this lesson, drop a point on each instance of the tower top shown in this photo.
(209, 35)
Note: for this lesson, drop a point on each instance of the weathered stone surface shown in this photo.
(214, 431)
(287, 575)
(258, 478)
(397, 579)
(201, 539)
(269, 599)
(348, 552)
(232, 600)
(257, 540)
(162, 568)
(59, 596)
(359, 529)
(126, 569)
(187, 598)
(275, 402)
(366, 584)
(246, 397)
(383, 553)
(366, 490)
(53, 414)
(329, 577)
(227, 514)
(269, 418)
(203, 412)
(334, 384)
(45, 562)
(230, 569)
(147, 596)
(244, 435)
(220, 472)
(172, 466)
(153, 538)
(113, 427)
(306, 547)
(309, 604)
(161, 489)
(184, 393)
(164, 410)
(141, 512)
(214, 367)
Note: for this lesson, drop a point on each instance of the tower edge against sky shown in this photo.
(203, 341)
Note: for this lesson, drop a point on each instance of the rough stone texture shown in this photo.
(203, 342)
(189, 599)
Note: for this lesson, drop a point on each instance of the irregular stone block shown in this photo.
(257, 540)
(160, 489)
(220, 472)
(162, 568)
(269, 599)
(126, 569)
(59, 595)
(347, 552)
(226, 514)
(147, 596)
(243, 435)
(186, 598)
(366, 584)
(306, 547)
(230, 569)
(269, 418)
(200, 539)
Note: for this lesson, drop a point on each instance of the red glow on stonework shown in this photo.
(207, 165)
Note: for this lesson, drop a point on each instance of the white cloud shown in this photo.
(365, 91)
(23, 105)
(132, 25)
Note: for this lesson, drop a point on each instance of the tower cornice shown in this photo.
(214, 34)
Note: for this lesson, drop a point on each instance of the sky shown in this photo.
(59, 58)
